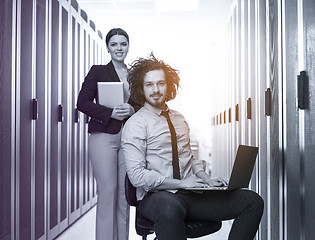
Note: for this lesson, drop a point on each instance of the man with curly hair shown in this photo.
(160, 164)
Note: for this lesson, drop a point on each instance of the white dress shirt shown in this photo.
(147, 149)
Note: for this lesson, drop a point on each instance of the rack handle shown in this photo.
(34, 109)
(60, 113)
(302, 89)
(268, 102)
(76, 115)
(249, 108)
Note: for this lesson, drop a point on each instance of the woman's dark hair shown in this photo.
(137, 72)
(116, 31)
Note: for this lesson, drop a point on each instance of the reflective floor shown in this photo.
(83, 229)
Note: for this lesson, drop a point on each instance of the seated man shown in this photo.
(160, 170)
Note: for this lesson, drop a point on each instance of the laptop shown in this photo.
(242, 169)
(110, 94)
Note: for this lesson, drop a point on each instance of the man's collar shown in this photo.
(154, 109)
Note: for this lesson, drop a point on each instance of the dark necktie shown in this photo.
(175, 161)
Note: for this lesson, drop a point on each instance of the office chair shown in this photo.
(144, 226)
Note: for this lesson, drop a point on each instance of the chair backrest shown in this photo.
(130, 193)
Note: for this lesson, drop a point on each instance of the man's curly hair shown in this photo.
(137, 72)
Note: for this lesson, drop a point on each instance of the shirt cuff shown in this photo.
(153, 181)
(197, 165)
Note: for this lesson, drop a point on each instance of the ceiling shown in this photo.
(111, 13)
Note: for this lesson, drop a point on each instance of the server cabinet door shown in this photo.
(64, 124)
(59, 121)
(53, 145)
(74, 161)
(82, 118)
(7, 121)
(251, 104)
(31, 120)
(80, 79)
(261, 122)
(39, 113)
(299, 132)
(308, 114)
(292, 204)
(84, 134)
(274, 123)
(86, 165)
(25, 127)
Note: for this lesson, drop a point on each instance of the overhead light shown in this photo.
(177, 5)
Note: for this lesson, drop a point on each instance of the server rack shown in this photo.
(271, 74)
(47, 47)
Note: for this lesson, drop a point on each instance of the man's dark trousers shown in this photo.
(168, 211)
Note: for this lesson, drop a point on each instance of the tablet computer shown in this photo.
(110, 94)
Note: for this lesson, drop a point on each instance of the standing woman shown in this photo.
(112, 215)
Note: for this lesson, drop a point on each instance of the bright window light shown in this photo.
(176, 5)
